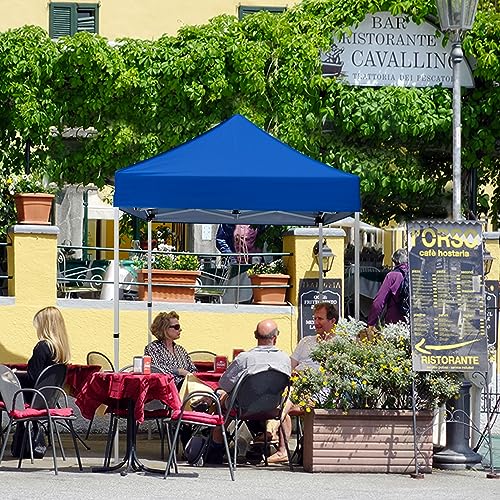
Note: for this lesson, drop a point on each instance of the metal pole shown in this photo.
(320, 260)
(116, 307)
(456, 58)
(356, 265)
(150, 285)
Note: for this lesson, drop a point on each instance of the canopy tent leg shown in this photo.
(320, 260)
(356, 265)
(116, 307)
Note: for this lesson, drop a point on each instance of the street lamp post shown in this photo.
(456, 17)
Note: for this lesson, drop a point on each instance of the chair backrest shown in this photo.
(208, 356)
(100, 359)
(259, 396)
(9, 385)
(55, 376)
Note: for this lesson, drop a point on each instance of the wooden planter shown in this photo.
(33, 208)
(269, 295)
(168, 293)
(366, 441)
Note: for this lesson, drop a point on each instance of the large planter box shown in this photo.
(366, 441)
(168, 293)
(269, 295)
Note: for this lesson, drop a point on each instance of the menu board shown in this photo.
(309, 296)
(448, 314)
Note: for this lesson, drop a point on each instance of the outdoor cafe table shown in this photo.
(134, 389)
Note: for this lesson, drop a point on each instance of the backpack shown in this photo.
(404, 293)
(196, 449)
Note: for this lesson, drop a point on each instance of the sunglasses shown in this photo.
(175, 327)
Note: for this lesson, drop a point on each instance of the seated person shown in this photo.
(52, 346)
(165, 353)
(261, 358)
(326, 316)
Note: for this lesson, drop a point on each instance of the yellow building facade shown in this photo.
(32, 263)
(147, 19)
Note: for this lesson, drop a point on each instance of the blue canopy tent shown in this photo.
(234, 173)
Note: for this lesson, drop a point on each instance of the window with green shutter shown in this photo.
(70, 18)
(245, 11)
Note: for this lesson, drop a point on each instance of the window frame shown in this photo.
(73, 8)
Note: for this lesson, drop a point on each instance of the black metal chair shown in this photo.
(258, 397)
(100, 359)
(43, 409)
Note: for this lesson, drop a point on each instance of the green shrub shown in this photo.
(357, 374)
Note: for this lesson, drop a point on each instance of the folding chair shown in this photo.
(43, 409)
(258, 396)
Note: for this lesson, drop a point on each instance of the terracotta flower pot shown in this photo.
(269, 295)
(33, 208)
(168, 293)
(366, 441)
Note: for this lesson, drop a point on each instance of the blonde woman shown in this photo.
(53, 344)
(165, 352)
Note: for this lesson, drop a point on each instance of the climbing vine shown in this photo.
(134, 98)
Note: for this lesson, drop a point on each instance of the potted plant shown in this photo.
(358, 406)
(33, 196)
(269, 274)
(169, 269)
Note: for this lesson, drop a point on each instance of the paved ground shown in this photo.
(252, 482)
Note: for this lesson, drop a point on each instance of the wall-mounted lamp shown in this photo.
(327, 256)
(487, 260)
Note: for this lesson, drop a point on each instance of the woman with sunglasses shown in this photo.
(165, 352)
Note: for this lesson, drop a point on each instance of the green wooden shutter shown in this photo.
(245, 11)
(61, 20)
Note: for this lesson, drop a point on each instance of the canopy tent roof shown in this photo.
(236, 173)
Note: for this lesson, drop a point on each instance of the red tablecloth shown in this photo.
(76, 375)
(210, 378)
(204, 365)
(110, 388)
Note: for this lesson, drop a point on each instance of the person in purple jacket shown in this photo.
(388, 296)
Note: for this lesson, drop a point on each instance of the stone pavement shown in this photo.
(37, 481)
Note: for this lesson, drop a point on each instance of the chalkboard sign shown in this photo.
(309, 296)
(491, 296)
(448, 320)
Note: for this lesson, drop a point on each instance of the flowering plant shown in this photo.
(168, 261)
(371, 373)
(29, 183)
(275, 267)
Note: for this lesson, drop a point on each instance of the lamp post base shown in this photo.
(458, 455)
(449, 459)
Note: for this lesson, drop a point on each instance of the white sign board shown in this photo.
(387, 50)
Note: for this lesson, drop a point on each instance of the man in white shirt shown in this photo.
(326, 316)
(261, 358)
